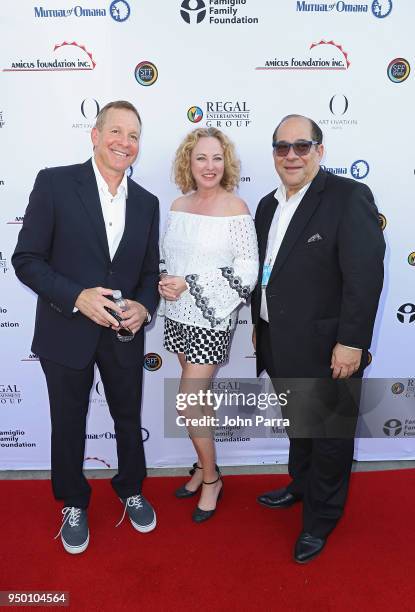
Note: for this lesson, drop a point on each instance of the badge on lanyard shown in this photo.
(266, 273)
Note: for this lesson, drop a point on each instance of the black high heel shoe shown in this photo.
(199, 515)
(182, 492)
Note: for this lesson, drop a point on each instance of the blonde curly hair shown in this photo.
(181, 166)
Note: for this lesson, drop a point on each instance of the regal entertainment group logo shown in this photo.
(10, 394)
(221, 113)
(406, 389)
(217, 12)
(3, 264)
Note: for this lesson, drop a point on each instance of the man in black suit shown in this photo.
(88, 231)
(321, 274)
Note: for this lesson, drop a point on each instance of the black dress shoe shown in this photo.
(308, 547)
(280, 498)
(199, 515)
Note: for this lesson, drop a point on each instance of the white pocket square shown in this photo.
(314, 238)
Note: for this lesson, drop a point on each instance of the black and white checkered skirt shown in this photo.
(199, 345)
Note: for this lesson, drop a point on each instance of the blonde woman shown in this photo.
(210, 265)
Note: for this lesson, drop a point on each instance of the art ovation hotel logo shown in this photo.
(69, 56)
(324, 55)
(217, 12)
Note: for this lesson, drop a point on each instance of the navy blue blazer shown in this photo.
(62, 249)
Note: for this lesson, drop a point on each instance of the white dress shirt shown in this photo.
(280, 222)
(113, 209)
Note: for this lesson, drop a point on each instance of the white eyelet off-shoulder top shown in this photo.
(218, 257)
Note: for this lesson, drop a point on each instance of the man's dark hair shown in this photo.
(316, 133)
(119, 104)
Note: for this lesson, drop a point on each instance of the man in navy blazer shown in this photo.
(321, 273)
(89, 230)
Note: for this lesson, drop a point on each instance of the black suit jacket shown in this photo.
(62, 249)
(327, 290)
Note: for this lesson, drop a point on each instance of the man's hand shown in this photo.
(134, 316)
(171, 287)
(91, 303)
(345, 361)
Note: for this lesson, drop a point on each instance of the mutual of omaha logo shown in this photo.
(146, 73)
(152, 362)
(359, 169)
(398, 70)
(195, 114)
(381, 8)
(120, 10)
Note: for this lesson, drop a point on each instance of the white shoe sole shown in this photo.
(75, 550)
(144, 528)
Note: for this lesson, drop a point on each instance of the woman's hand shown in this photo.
(171, 287)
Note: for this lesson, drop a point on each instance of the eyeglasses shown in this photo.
(300, 147)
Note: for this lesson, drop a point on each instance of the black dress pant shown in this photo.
(319, 467)
(69, 391)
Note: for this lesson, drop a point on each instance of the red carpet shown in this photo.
(241, 559)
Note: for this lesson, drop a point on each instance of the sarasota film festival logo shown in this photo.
(398, 70)
(379, 8)
(332, 56)
(221, 12)
(119, 10)
(146, 73)
(220, 114)
(77, 58)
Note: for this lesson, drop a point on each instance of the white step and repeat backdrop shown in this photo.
(239, 65)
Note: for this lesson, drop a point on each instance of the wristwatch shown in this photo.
(147, 320)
